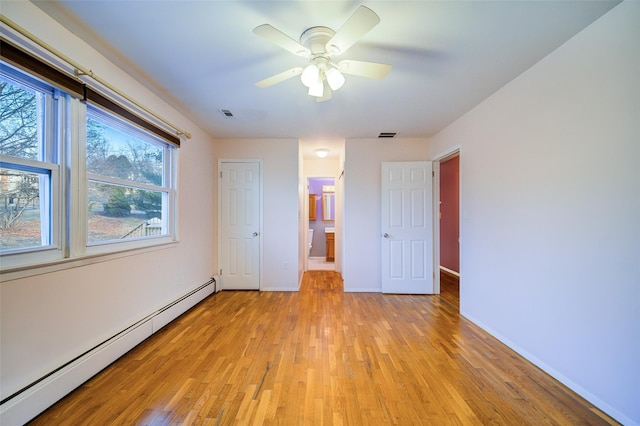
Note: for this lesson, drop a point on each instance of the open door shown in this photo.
(407, 227)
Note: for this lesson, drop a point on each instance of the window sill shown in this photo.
(26, 271)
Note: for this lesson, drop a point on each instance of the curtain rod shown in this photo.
(79, 71)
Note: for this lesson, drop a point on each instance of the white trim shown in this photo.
(28, 163)
(290, 289)
(449, 153)
(450, 271)
(93, 177)
(41, 268)
(76, 188)
(436, 226)
(362, 290)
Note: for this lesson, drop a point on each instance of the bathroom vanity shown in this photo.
(330, 234)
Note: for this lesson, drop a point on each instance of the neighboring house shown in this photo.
(550, 223)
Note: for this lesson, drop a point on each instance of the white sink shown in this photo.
(329, 230)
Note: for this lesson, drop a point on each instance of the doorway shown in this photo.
(321, 224)
(449, 224)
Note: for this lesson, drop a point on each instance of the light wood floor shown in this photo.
(321, 356)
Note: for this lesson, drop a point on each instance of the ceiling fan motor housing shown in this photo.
(315, 39)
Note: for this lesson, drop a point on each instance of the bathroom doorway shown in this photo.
(321, 223)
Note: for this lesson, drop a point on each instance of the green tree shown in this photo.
(117, 205)
(148, 201)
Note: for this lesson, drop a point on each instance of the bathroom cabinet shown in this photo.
(312, 207)
(330, 247)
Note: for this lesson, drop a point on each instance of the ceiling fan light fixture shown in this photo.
(317, 89)
(334, 78)
(318, 45)
(310, 76)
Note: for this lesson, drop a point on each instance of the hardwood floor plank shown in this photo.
(322, 356)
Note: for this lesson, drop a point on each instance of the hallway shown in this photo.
(322, 356)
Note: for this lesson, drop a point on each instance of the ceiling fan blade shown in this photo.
(281, 39)
(285, 75)
(362, 20)
(364, 69)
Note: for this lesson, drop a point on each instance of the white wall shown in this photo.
(362, 185)
(550, 227)
(280, 210)
(47, 320)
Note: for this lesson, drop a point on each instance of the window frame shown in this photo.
(48, 163)
(97, 113)
(68, 178)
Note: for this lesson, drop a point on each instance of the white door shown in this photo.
(407, 227)
(239, 225)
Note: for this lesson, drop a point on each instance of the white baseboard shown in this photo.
(450, 271)
(363, 290)
(29, 403)
(279, 289)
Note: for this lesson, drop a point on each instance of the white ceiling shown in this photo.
(447, 56)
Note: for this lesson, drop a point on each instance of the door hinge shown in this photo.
(220, 272)
(433, 174)
(220, 175)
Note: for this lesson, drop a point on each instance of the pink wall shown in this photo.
(450, 214)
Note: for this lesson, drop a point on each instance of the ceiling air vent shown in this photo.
(387, 134)
(226, 113)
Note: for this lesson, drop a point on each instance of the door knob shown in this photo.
(255, 234)
(386, 235)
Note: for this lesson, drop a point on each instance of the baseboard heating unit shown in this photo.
(25, 404)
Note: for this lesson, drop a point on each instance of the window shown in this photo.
(128, 181)
(29, 168)
(54, 204)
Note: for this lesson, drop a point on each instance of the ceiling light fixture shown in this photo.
(310, 75)
(334, 78)
(317, 73)
(321, 152)
(319, 45)
(316, 89)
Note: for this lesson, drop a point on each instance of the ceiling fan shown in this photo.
(319, 45)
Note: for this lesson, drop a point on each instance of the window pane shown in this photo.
(117, 212)
(115, 153)
(21, 111)
(24, 212)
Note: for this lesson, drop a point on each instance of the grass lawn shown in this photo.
(26, 233)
